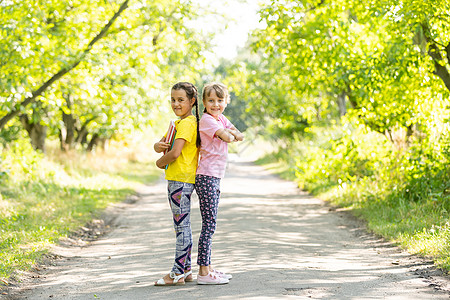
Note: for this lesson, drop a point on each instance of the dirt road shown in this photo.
(276, 241)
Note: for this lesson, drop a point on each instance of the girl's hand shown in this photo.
(171, 155)
(238, 136)
(159, 165)
(225, 135)
(161, 146)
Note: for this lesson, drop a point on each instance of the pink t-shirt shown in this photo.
(213, 151)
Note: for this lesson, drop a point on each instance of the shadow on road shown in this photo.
(277, 241)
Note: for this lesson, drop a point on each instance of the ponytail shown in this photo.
(199, 141)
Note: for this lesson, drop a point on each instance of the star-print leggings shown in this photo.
(180, 203)
(208, 191)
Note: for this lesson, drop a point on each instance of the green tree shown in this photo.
(360, 60)
(66, 69)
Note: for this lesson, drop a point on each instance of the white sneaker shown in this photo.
(211, 278)
(223, 275)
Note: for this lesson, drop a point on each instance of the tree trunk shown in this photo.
(67, 134)
(94, 141)
(440, 65)
(318, 112)
(83, 132)
(103, 143)
(36, 131)
(83, 137)
(388, 134)
(409, 133)
(342, 104)
(351, 99)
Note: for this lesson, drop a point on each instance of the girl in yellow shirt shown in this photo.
(182, 162)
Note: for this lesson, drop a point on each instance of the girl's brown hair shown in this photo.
(191, 92)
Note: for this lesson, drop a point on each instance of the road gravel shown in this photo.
(277, 241)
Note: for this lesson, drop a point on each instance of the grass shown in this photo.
(45, 198)
(421, 227)
(277, 166)
(410, 208)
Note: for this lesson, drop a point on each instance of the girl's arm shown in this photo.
(239, 136)
(161, 145)
(225, 135)
(172, 155)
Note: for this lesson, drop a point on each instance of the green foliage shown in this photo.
(342, 155)
(318, 60)
(115, 89)
(427, 173)
(21, 161)
(356, 95)
(433, 241)
(402, 192)
(43, 199)
(263, 97)
(381, 68)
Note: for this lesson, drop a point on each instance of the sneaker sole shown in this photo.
(211, 283)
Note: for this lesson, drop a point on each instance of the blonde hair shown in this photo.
(220, 89)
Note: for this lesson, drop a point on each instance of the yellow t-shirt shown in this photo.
(184, 167)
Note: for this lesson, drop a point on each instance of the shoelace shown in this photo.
(218, 272)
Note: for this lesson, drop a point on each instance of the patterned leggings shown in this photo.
(208, 191)
(180, 203)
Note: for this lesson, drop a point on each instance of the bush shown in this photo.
(45, 198)
(401, 190)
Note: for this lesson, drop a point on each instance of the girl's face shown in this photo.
(181, 105)
(214, 105)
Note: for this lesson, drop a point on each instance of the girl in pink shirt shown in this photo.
(216, 131)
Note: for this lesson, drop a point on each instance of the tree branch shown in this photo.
(447, 50)
(316, 6)
(440, 70)
(82, 132)
(162, 27)
(4, 120)
(440, 65)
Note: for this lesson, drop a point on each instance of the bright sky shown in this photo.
(234, 34)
